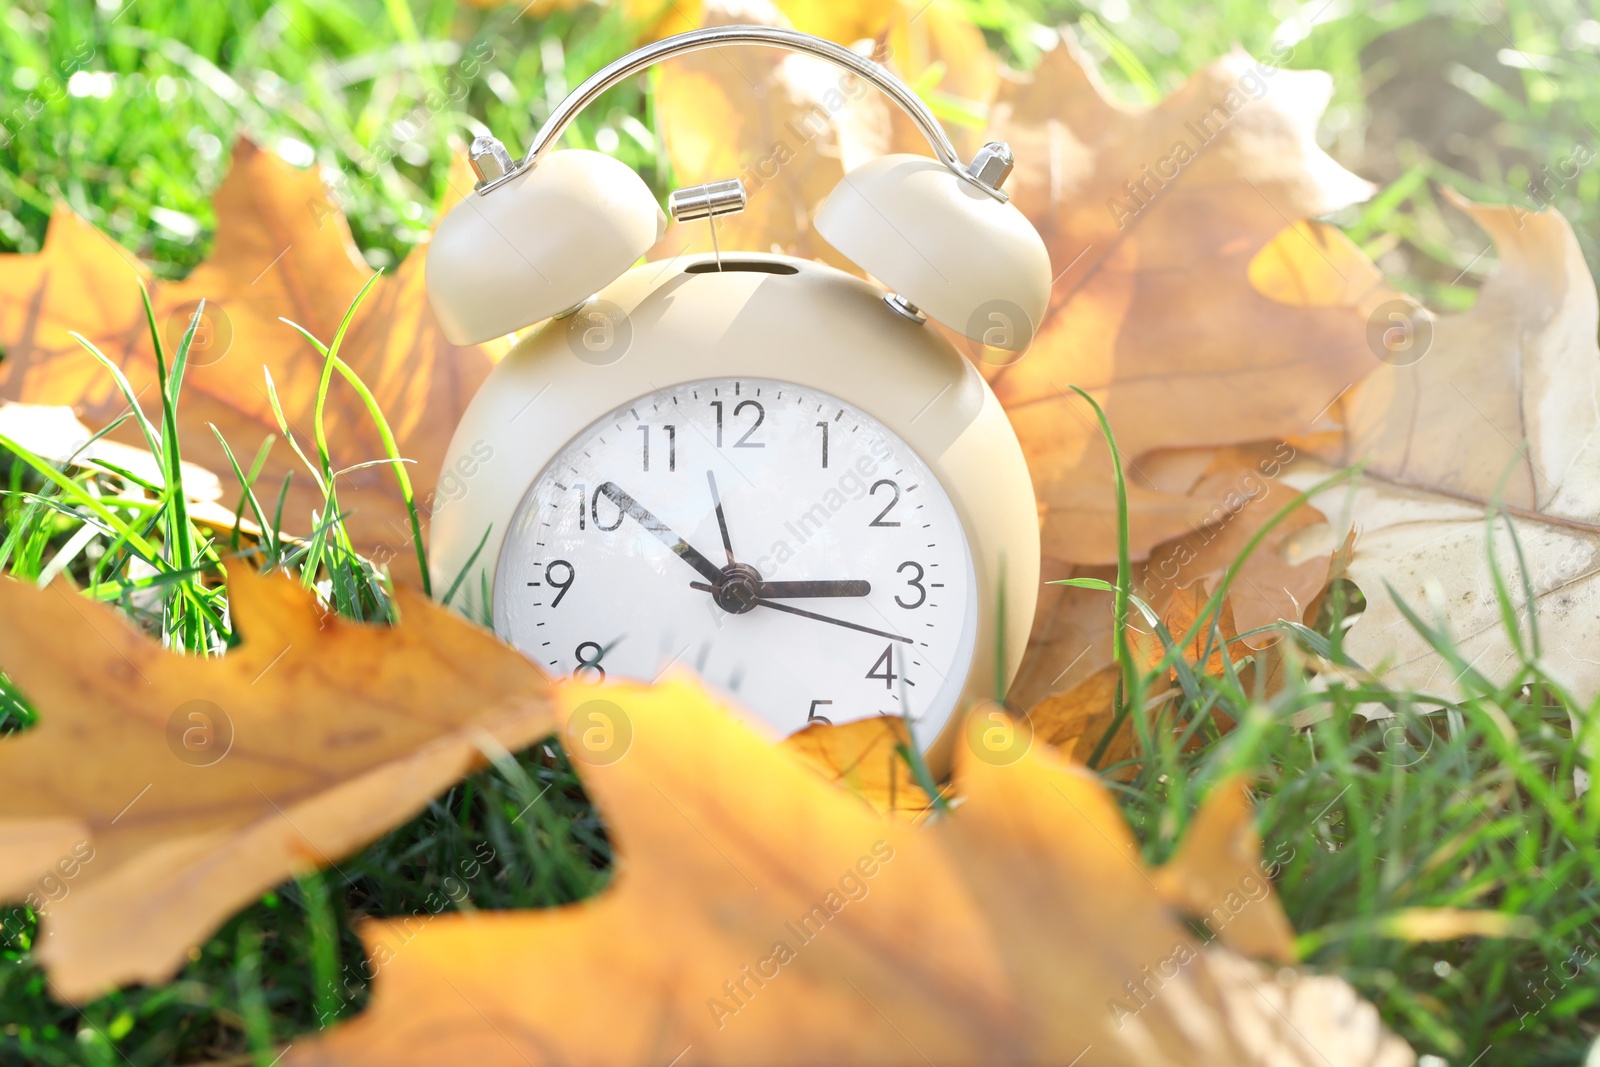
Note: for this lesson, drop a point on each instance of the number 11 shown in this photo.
(672, 446)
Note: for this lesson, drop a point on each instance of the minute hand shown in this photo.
(829, 619)
(646, 519)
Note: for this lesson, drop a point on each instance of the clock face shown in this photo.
(836, 581)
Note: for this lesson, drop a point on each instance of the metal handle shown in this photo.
(981, 175)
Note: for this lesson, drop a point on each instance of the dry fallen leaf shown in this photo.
(936, 48)
(654, 19)
(1287, 570)
(1072, 631)
(844, 23)
(282, 249)
(791, 126)
(1207, 317)
(1075, 719)
(1191, 300)
(1217, 872)
(1505, 404)
(177, 788)
(760, 915)
(788, 125)
(1079, 705)
(860, 757)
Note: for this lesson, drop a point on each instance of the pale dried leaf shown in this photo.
(1504, 405)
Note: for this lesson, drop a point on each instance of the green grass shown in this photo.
(143, 135)
(1469, 803)
(1449, 804)
(1474, 807)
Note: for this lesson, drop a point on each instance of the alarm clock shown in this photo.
(752, 466)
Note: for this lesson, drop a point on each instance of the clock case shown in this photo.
(759, 316)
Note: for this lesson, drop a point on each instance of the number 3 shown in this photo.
(915, 583)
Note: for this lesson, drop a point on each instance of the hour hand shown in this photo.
(643, 516)
(834, 587)
(794, 590)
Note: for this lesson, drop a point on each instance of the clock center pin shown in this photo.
(738, 588)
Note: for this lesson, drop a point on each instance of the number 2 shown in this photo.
(887, 507)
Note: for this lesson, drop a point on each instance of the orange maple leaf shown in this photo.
(161, 792)
(759, 915)
(1188, 301)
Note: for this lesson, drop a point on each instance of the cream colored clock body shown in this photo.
(578, 400)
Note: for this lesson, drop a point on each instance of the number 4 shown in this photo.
(886, 662)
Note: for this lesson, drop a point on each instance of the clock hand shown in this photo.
(831, 587)
(785, 590)
(722, 522)
(837, 622)
(644, 518)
